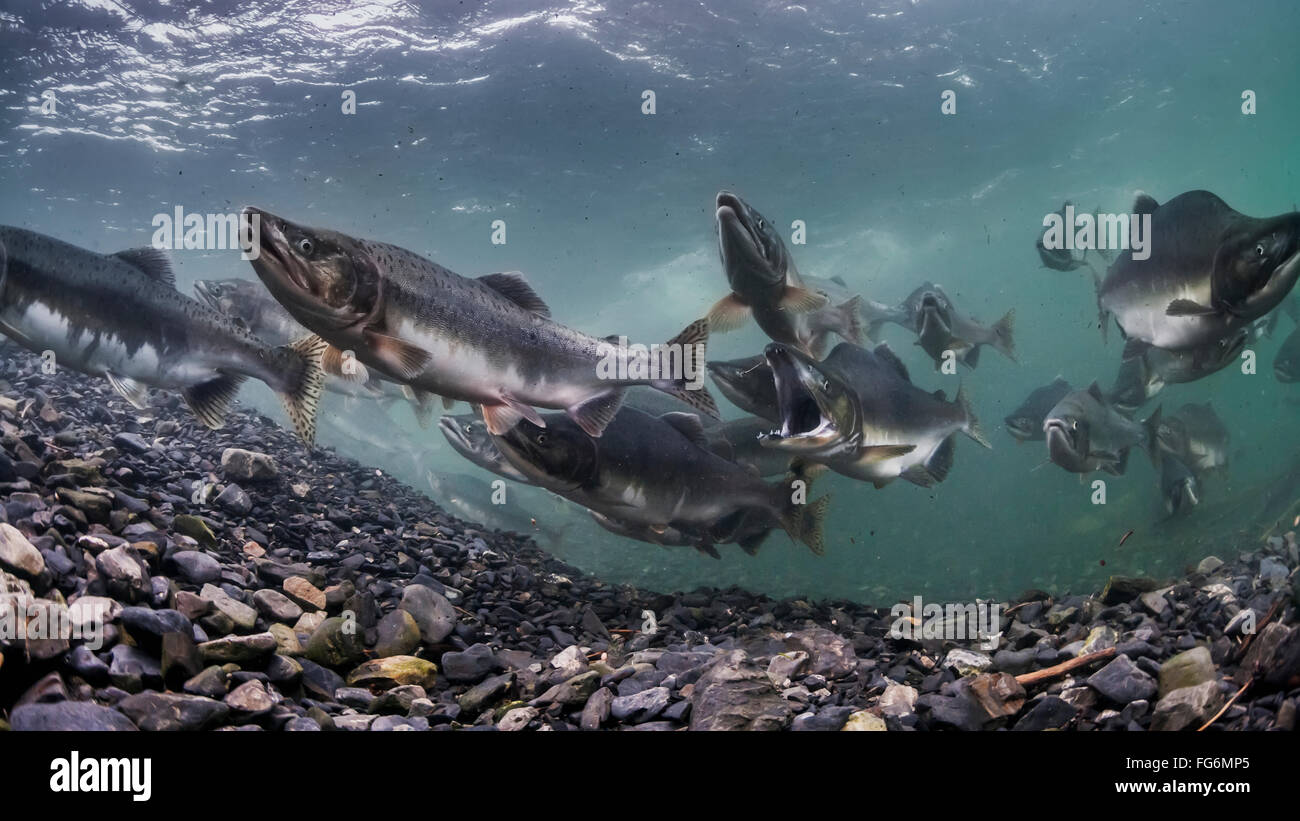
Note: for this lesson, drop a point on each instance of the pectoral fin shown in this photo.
(801, 300)
(881, 453)
(728, 314)
(1186, 307)
(344, 366)
(402, 359)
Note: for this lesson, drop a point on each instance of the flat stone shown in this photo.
(1121, 681)
(1187, 707)
(864, 721)
(171, 712)
(79, 716)
(276, 606)
(1187, 669)
(395, 670)
(248, 465)
(17, 555)
(238, 649)
(306, 594)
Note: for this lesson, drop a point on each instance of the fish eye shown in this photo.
(541, 438)
(305, 245)
(1259, 250)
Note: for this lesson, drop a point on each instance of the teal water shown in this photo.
(827, 113)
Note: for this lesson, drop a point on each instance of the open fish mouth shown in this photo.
(806, 422)
(456, 437)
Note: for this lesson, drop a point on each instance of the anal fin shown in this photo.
(210, 401)
(129, 389)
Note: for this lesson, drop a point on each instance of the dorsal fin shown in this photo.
(152, 262)
(940, 395)
(1144, 203)
(688, 425)
(885, 353)
(1095, 391)
(513, 287)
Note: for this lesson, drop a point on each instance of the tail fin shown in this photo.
(693, 342)
(1003, 330)
(851, 320)
(303, 397)
(972, 426)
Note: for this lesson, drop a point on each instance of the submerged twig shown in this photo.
(1064, 667)
(1231, 701)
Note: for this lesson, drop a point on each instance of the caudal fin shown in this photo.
(303, 396)
(687, 353)
(1003, 331)
(972, 427)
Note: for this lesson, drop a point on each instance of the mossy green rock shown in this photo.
(1187, 669)
(863, 721)
(336, 643)
(195, 528)
(394, 670)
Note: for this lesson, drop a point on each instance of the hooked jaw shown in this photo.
(808, 422)
(738, 244)
(1063, 446)
(1020, 427)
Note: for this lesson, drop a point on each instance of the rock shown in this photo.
(469, 666)
(250, 699)
(196, 566)
(473, 700)
(825, 720)
(77, 716)
(247, 465)
(736, 694)
(1121, 589)
(239, 650)
(1048, 713)
(967, 662)
(210, 682)
(829, 655)
(864, 721)
(306, 594)
(1121, 681)
(785, 666)
(126, 572)
(234, 499)
(639, 707)
(517, 719)
(998, 693)
(395, 670)
(181, 659)
(1187, 706)
(431, 611)
(17, 555)
(171, 712)
(397, 700)
(596, 711)
(286, 640)
(398, 634)
(1208, 565)
(132, 669)
(898, 700)
(196, 529)
(147, 627)
(336, 643)
(1187, 669)
(1154, 602)
(1102, 637)
(243, 616)
(276, 606)
(1264, 652)
(320, 683)
(131, 442)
